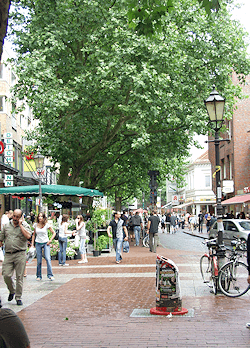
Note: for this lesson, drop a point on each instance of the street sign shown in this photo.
(227, 186)
(175, 199)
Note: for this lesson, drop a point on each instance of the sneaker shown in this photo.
(10, 297)
(38, 278)
(82, 261)
(19, 302)
(51, 278)
(248, 325)
(60, 264)
(65, 264)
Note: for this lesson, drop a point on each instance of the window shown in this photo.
(13, 118)
(1, 71)
(207, 180)
(2, 103)
(13, 79)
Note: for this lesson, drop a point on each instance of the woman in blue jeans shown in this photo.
(63, 240)
(41, 238)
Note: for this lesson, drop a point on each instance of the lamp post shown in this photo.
(39, 160)
(215, 108)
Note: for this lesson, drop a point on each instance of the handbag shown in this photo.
(126, 246)
(77, 240)
(1, 254)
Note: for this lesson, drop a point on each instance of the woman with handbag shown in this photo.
(63, 240)
(81, 230)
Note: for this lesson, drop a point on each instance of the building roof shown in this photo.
(203, 158)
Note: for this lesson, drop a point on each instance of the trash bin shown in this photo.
(168, 292)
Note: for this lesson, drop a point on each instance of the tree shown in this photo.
(112, 102)
(4, 14)
(152, 12)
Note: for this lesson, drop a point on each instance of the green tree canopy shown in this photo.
(112, 103)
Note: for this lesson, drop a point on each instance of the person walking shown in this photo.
(173, 222)
(117, 225)
(15, 235)
(200, 220)
(137, 226)
(152, 230)
(63, 240)
(42, 242)
(81, 230)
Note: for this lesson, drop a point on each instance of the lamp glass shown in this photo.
(39, 160)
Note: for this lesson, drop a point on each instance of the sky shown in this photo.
(242, 15)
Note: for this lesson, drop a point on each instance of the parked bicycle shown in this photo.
(145, 241)
(231, 277)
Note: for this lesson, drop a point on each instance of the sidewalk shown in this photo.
(94, 305)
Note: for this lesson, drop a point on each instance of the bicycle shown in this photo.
(145, 241)
(231, 277)
(209, 266)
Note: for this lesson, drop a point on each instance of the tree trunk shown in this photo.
(118, 203)
(4, 14)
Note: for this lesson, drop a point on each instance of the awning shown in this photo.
(182, 205)
(237, 200)
(56, 190)
(166, 205)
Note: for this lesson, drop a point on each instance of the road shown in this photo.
(182, 241)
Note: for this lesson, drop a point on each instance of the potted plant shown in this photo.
(54, 249)
(97, 220)
(102, 242)
(70, 251)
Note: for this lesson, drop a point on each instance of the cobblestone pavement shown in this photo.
(93, 305)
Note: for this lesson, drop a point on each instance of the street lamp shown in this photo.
(215, 108)
(39, 160)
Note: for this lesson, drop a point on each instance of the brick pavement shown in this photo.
(99, 297)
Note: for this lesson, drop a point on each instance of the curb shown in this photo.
(196, 235)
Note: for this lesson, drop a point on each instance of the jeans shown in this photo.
(62, 252)
(137, 230)
(82, 246)
(39, 247)
(153, 241)
(118, 248)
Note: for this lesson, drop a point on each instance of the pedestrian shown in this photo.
(152, 230)
(12, 331)
(15, 235)
(117, 225)
(208, 223)
(173, 223)
(130, 226)
(137, 226)
(63, 240)
(168, 222)
(200, 221)
(163, 222)
(192, 221)
(248, 263)
(41, 238)
(81, 230)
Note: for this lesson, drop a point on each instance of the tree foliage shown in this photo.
(113, 104)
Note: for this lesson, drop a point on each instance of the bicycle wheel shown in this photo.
(233, 279)
(214, 280)
(145, 241)
(205, 268)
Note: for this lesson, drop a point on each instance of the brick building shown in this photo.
(235, 155)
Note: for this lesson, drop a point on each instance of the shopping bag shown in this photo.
(77, 240)
(1, 254)
(31, 254)
(126, 246)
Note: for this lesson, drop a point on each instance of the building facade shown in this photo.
(235, 155)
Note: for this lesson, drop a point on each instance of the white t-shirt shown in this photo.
(82, 231)
(4, 220)
(62, 229)
(42, 234)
